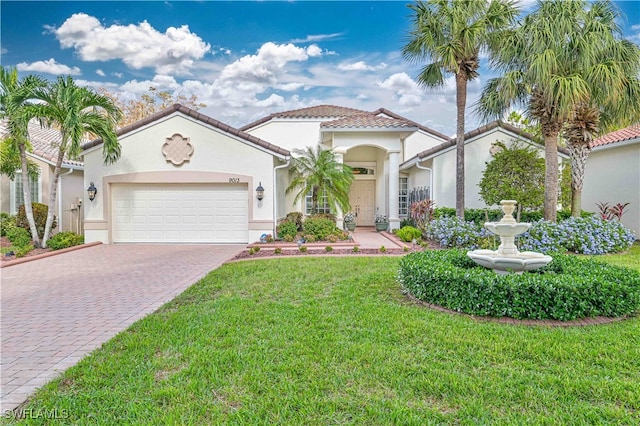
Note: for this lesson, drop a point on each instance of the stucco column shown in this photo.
(394, 190)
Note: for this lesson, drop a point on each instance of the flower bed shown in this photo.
(568, 288)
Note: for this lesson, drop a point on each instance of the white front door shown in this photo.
(180, 213)
(362, 199)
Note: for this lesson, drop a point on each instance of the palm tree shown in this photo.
(76, 112)
(317, 171)
(15, 95)
(451, 34)
(563, 60)
(613, 94)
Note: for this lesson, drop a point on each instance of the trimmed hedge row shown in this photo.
(568, 288)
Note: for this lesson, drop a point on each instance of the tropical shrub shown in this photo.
(320, 226)
(584, 235)
(287, 229)
(39, 216)
(568, 288)
(295, 217)
(422, 212)
(408, 233)
(7, 221)
(19, 237)
(451, 232)
(65, 239)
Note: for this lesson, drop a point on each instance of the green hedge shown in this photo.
(40, 212)
(408, 233)
(480, 215)
(65, 239)
(568, 288)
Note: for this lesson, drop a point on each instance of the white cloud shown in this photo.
(635, 37)
(138, 46)
(49, 66)
(317, 37)
(117, 74)
(4, 51)
(314, 50)
(406, 91)
(100, 73)
(361, 66)
(272, 101)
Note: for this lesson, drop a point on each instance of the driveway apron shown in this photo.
(54, 311)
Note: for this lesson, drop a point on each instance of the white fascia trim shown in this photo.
(370, 129)
(616, 144)
(51, 163)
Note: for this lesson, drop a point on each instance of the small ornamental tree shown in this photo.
(515, 173)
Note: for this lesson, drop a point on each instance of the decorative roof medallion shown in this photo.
(177, 149)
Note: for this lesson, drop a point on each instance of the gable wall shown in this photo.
(476, 155)
(217, 157)
(289, 134)
(612, 175)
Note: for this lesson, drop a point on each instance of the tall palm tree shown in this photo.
(15, 95)
(564, 58)
(317, 171)
(612, 68)
(76, 111)
(451, 35)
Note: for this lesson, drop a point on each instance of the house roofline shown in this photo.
(418, 125)
(469, 136)
(178, 108)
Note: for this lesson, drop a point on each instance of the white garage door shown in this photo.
(180, 213)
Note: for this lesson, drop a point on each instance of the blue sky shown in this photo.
(244, 59)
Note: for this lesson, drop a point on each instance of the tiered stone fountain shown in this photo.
(507, 258)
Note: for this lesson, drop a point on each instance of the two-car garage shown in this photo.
(182, 177)
(180, 213)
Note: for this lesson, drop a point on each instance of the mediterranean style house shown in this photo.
(70, 191)
(185, 177)
(612, 174)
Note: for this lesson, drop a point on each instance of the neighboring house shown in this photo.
(70, 192)
(186, 177)
(612, 174)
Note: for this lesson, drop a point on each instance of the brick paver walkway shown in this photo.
(54, 311)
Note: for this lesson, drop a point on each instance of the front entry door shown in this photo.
(362, 199)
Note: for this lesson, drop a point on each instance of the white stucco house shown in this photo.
(70, 190)
(612, 174)
(186, 177)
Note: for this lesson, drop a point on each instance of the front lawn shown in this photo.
(333, 341)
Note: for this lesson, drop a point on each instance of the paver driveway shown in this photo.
(56, 310)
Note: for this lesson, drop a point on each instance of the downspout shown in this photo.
(431, 191)
(275, 196)
(60, 198)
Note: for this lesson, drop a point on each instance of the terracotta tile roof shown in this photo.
(319, 111)
(425, 129)
(368, 121)
(200, 117)
(628, 133)
(44, 142)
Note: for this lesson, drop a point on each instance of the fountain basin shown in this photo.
(517, 263)
(507, 229)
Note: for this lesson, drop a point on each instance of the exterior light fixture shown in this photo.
(260, 192)
(92, 191)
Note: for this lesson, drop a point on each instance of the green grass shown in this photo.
(308, 341)
(630, 259)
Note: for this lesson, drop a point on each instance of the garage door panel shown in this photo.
(180, 213)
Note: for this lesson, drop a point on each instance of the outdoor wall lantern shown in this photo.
(92, 191)
(260, 192)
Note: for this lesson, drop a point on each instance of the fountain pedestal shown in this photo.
(507, 258)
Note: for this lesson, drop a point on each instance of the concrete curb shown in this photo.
(48, 254)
